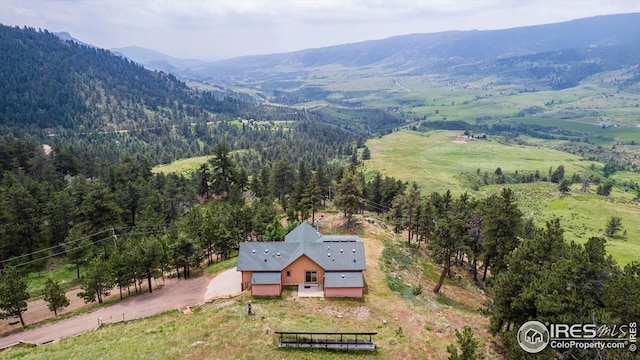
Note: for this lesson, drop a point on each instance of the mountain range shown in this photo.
(407, 54)
(155, 60)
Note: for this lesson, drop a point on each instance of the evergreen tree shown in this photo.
(502, 223)
(13, 294)
(366, 153)
(204, 180)
(97, 282)
(473, 239)
(264, 182)
(224, 172)
(446, 238)
(557, 175)
(300, 202)
(185, 252)
(605, 188)
(263, 212)
(324, 183)
(411, 202)
(621, 294)
(313, 197)
(613, 226)
(149, 252)
(374, 193)
(120, 267)
(275, 231)
(99, 210)
(565, 186)
(468, 346)
(349, 193)
(55, 296)
(78, 248)
(282, 181)
(513, 291)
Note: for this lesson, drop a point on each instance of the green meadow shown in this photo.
(582, 215)
(437, 163)
(182, 166)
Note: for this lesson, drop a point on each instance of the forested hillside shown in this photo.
(80, 129)
(95, 106)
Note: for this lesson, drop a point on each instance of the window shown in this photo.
(288, 273)
(311, 277)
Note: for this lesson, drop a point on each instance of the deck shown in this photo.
(323, 340)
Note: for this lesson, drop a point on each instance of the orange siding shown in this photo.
(343, 292)
(265, 290)
(298, 269)
(246, 279)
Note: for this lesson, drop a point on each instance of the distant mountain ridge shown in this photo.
(404, 54)
(155, 60)
(431, 52)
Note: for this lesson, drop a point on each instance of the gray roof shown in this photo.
(264, 256)
(303, 233)
(264, 278)
(347, 255)
(343, 279)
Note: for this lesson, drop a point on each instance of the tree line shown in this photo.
(529, 272)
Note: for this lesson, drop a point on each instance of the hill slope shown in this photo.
(155, 60)
(436, 51)
(103, 106)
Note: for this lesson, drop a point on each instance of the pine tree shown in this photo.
(447, 235)
(349, 193)
(224, 173)
(514, 291)
(565, 186)
(622, 293)
(97, 282)
(557, 175)
(613, 226)
(204, 178)
(411, 202)
(55, 296)
(13, 294)
(77, 248)
(468, 346)
(502, 223)
(366, 153)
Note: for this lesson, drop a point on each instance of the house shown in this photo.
(305, 257)
(533, 336)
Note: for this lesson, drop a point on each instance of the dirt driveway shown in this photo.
(173, 294)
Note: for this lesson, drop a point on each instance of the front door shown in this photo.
(311, 277)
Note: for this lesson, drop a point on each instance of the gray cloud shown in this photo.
(225, 28)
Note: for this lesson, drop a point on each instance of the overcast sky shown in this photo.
(215, 29)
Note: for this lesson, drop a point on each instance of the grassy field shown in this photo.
(66, 275)
(182, 166)
(435, 162)
(478, 99)
(583, 215)
(417, 327)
